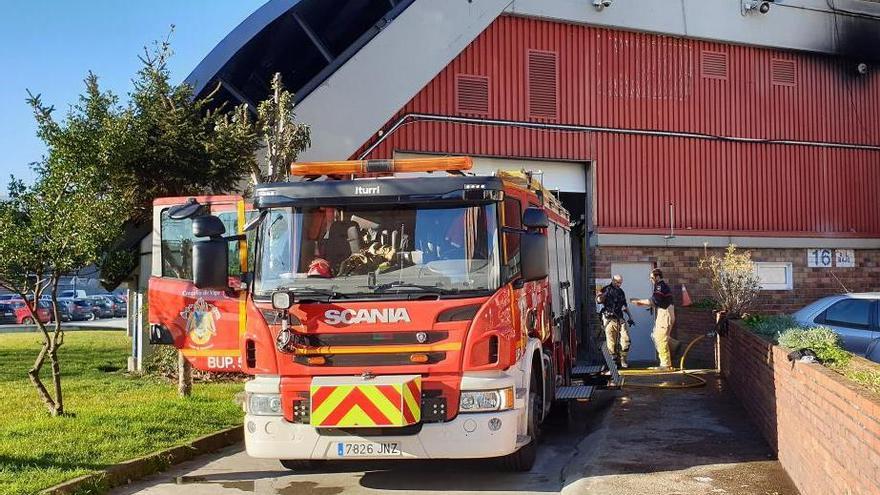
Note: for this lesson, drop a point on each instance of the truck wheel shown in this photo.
(301, 464)
(524, 458)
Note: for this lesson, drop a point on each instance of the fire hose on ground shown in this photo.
(698, 381)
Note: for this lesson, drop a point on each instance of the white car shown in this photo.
(853, 316)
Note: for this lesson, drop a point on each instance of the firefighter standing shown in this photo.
(664, 318)
(613, 301)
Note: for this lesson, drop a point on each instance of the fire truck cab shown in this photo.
(384, 312)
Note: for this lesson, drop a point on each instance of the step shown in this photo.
(575, 392)
(586, 369)
(616, 379)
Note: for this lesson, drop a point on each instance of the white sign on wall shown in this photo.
(845, 258)
(826, 258)
(820, 258)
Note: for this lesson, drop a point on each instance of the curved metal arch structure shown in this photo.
(304, 40)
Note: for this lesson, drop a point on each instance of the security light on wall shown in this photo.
(749, 6)
(601, 4)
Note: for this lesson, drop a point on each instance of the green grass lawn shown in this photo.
(113, 416)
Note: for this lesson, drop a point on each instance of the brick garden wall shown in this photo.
(681, 266)
(824, 429)
(691, 323)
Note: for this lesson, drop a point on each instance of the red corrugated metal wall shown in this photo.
(629, 80)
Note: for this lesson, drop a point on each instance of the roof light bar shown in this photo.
(357, 167)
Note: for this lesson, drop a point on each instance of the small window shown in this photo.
(230, 221)
(852, 313)
(177, 241)
(511, 255)
(774, 276)
(512, 213)
(511, 236)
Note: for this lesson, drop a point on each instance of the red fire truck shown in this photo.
(383, 311)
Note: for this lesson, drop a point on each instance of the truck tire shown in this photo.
(523, 459)
(301, 464)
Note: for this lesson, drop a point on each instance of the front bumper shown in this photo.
(468, 436)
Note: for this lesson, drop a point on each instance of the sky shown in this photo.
(48, 47)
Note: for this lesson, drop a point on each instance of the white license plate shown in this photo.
(367, 449)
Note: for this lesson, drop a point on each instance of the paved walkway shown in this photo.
(688, 441)
(638, 441)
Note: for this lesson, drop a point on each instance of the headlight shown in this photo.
(263, 404)
(486, 400)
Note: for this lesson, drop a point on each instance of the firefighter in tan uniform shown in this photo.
(613, 301)
(664, 318)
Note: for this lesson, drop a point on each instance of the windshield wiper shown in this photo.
(301, 291)
(427, 288)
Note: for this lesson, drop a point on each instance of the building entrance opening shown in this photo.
(637, 285)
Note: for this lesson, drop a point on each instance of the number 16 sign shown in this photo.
(819, 258)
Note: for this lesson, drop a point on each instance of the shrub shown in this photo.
(769, 327)
(162, 362)
(821, 340)
(706, 303)
(734, 280)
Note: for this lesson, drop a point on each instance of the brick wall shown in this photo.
(681, 266)
(691, 323)
(824, 429)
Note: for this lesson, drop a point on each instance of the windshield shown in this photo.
(379, 250)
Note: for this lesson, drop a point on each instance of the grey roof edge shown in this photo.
(235, 40)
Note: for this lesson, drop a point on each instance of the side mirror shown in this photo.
(186, 210)
(208, 226)
(535, 218)
(533, 256)
(210, 258)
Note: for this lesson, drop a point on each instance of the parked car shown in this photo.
(80, 309)
(5, 298)
(63, 309)
(72, 293)
(101, 306)
(853, 316)
(118, 305)
(17, 313)
(120, 310)
(24, 315)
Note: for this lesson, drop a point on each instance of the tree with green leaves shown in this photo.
(47, 230)
(283, 138)
(106, 162)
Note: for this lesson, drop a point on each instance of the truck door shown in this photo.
(204, 324)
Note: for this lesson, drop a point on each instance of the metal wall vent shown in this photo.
(783, 72)
(543, 85)
(472, 94)
(713, 65)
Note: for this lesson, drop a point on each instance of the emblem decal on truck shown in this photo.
(201, 321)
(354, 316)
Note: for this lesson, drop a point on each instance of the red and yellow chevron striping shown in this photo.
(367, 405)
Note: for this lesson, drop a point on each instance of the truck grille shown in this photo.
(393, 359)
(370, 338)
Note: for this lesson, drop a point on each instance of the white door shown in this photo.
(636, 284)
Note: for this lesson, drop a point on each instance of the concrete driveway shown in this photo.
(637, 441)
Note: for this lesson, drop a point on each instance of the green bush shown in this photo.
(162, 362)
(770, 327)
(870, 378)
(821, 340)
(706, 303)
